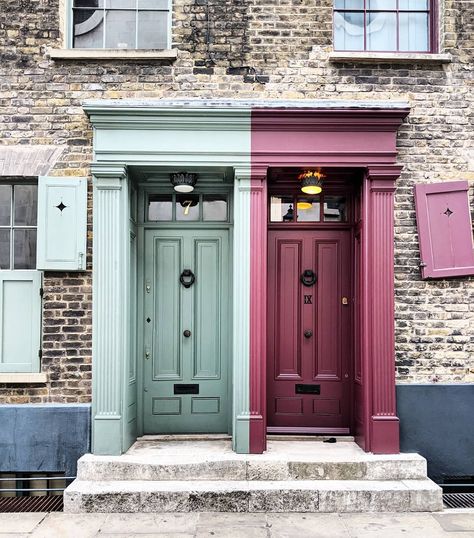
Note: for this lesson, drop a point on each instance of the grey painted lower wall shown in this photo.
(48, 438)
(437, 421)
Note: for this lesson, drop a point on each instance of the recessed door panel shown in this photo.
(288, 318)
(328, 326)
(207, 348)
(309, 336)
(186, 331)
(166, 354)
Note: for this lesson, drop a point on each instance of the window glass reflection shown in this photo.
(187, 207)
(160, 207)
(309, 209)
(335, 209)
(281, 209)
(214, 208)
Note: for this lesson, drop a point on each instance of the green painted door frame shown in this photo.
(128, 136)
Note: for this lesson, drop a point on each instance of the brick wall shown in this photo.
(223, 45)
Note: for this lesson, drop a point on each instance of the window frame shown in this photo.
(12, 226)
(70, 29)
(433, 35)
(15, 371)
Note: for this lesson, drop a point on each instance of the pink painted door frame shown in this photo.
(362, 138)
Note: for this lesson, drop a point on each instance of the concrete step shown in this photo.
(253, 496)
(344, 465)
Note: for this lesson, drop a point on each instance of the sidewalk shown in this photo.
(450, 523)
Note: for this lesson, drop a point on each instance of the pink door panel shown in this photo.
(309, 336)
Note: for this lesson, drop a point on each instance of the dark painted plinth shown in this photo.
(48, 438)
(437, 421)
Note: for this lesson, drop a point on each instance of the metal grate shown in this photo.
(31, 504)
(458, 500)
(32, 492)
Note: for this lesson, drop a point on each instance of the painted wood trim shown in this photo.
(241, 311)
(258, 310)
(110, 289)
(380, 310)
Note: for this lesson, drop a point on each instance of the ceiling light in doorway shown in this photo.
(311, 181)
(183, 181)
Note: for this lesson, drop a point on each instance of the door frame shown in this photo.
(143, 227)
(247, 138)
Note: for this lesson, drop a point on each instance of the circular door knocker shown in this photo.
(308, 277)
(187, 278)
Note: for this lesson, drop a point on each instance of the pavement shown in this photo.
(450, 523)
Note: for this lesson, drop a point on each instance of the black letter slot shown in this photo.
(308, 389)
(183, 388)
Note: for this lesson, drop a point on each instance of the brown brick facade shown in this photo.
(250, 49)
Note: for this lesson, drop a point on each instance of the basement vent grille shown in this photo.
(32, 492)
(458, 500)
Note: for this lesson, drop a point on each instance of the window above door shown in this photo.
(187, 208)
(120, 24)
(385, 26)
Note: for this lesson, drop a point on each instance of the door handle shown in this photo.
(187, 278)
(147, 354)
(308, 333)
(187, 333)
(308, 277)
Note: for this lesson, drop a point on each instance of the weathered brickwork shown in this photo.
(250, 49)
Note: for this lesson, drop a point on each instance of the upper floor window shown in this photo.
(121, 24)
(384, 25)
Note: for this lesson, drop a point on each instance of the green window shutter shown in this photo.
(62, 224)
(20, 311)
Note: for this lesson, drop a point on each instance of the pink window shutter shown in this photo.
(444, 229)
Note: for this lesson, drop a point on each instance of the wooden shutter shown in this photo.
(62, 224)
(444, 229)
(20, 311)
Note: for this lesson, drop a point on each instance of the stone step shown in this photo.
(253, 496)
(342, 466)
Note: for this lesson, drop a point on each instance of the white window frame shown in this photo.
(70, 29)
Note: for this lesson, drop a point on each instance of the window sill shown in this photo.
(388, 57)
(23, 378)
(112, 54)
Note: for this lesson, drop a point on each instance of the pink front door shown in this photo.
(309, 331)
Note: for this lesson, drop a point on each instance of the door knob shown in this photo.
(308, 333)
(187, 333)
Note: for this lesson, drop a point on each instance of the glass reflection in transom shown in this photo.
(281, 208)
(309, 209)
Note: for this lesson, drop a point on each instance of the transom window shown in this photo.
(121, 24)
(187, 207)
(383, 25)
(301, 208)
(18, 210)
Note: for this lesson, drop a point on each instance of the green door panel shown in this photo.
(171, 358)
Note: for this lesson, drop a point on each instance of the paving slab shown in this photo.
(306, 525)
(150, 523)
(58, 525)
(15, 523)
(456, 522)
(232, 525)
(392, 525)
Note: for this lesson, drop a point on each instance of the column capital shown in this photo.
(108, 175)
(382, 177)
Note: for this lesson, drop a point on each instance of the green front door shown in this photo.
(186, 333)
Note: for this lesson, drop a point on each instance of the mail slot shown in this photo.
(183, 388)
(308, 389)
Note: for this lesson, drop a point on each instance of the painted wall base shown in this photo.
(436, 421)
(385, 435)
(48, 438)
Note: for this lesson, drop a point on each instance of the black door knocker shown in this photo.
(187, 278)
(308, 278)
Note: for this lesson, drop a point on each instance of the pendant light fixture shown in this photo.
(183, 181)
(311, 181)
(303, 204)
